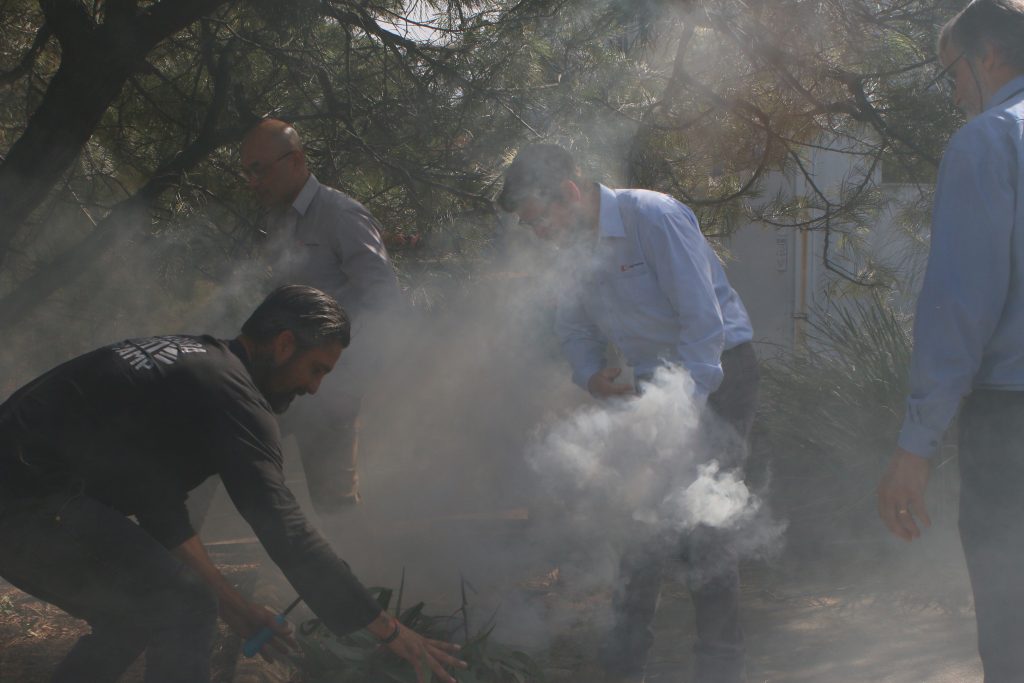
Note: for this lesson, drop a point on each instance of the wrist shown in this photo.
(383, 626)
(232, 602)
(391, 637)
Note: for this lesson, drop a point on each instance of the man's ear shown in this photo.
(284, 346)
(991, 58)
(298, 160)
(571, 192)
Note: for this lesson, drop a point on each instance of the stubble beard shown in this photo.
(264, 369)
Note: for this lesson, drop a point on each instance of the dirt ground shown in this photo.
(867, 621)
(840, 611)
(824, 631)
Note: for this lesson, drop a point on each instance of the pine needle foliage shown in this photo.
(359, 658)
(831, 411)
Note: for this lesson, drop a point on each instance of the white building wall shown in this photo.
(780, 273)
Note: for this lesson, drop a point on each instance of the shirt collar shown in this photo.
(238, 348)
(609, 222)
(306, 194)
(1011, 88)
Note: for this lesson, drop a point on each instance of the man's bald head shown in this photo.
(274, 163)
(274, 132)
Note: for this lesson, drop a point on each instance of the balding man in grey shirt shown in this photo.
(320, 237)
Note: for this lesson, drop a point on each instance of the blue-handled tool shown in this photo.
(252, 646)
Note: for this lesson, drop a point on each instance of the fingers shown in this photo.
(890, 514)
(606, 387)
(278, 647)
(905, 518)
(440, 652)
(894, 510)
(439, 671)
(417, 664)
(283, 642)
(901, 495)
(900, 516)
(428, 656)
(445, 646)
(602, 383)
(438, 659)
(272, 650)
(918, 507)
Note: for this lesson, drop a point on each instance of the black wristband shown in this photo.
(393, 636)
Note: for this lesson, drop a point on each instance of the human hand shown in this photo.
(249, 619)
(602, 384)
(425, 654)
(901, 495)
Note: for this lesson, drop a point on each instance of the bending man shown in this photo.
(649, 283)
(130, 429)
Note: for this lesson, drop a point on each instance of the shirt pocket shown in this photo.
(634, 282)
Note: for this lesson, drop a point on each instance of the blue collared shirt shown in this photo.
(655, 289)
(969, 329)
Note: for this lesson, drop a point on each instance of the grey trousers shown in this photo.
(712, 562)
(992, 526)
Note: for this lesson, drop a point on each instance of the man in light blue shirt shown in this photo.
(648, 282)
(655, 290)
(969, 330)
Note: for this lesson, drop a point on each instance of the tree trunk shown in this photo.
(96, 60)
(63, 270)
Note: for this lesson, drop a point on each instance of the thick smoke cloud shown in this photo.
(650, 459)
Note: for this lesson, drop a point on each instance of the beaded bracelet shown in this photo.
(392, 636)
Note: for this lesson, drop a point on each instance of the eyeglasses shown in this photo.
(943, 81)
(257, 171)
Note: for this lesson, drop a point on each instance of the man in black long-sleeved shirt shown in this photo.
(130, 429)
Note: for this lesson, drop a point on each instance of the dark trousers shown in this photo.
(712, 563)
(992, 526)
(97, 565)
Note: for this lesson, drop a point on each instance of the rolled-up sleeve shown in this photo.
(966, 283)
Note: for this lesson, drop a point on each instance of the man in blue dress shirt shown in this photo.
(969, 331)
(652, 286)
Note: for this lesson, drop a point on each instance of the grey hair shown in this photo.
(984, 23)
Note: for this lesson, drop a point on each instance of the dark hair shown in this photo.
(537, 172)
(999, 23)
(314, 317)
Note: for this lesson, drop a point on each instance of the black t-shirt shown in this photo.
(139, 424)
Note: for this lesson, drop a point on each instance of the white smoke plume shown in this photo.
(649, 459)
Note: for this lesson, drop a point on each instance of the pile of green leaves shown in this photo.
(359, 658)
